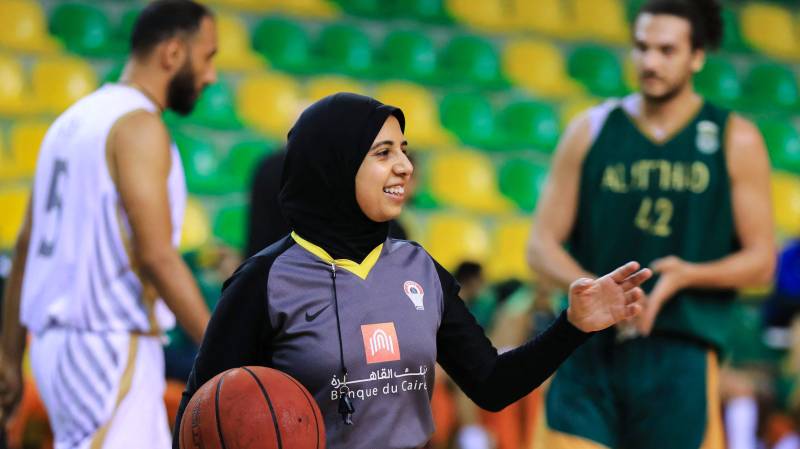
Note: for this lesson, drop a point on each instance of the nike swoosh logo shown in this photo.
(313, 316)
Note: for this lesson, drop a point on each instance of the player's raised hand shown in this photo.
(595, 304)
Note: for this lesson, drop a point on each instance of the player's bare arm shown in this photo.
(754, 264)
(557, 208)
(12, 340)
(139, 159)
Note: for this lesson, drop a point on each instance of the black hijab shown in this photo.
(318, 186)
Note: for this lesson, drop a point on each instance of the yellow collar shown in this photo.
(359, 269)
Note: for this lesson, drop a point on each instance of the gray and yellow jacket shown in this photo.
(386, 322)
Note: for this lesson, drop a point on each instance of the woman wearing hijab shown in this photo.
(361, 319)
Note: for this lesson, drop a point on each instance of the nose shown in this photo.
(404, 167)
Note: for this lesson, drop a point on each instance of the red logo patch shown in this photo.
(380, 342)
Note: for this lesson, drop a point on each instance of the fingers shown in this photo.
(580, 285)
(623, 272)
(634, 295)
(631, 310)
(636, 279)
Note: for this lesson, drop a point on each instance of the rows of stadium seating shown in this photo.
(487, 88)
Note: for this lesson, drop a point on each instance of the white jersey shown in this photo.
(80, 273)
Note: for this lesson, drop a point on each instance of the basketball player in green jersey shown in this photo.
(666, 178)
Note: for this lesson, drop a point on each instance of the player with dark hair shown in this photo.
(664, 177)
(96, 276)
(359, 318)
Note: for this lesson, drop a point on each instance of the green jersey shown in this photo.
(642, 200)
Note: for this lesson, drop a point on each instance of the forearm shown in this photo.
(13, 332)
(176, 285)
(744, 268)
(549, 259)
(519, 371)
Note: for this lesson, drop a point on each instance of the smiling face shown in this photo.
(663, 55)
(384, 174)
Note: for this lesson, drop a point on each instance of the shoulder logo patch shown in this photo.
(415, 293)
(707, 137)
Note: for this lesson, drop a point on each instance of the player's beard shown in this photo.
(181, 92)
(670, 93)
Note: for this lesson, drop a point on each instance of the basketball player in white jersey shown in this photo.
(96, 275)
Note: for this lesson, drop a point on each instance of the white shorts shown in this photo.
(102, 390)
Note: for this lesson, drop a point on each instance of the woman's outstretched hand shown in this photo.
(595, 304)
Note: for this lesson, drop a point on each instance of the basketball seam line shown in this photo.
(216, 411)
(308, 398)
(269, 404)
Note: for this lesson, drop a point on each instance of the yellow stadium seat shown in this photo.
(786, 202)
(452, 239)
(423, 128)
(574, 107)
(23, 27)
(508, 259)
(12, 87)
(323, 86)
(539, 67)
(58, 83)
(467, 180)
(13, 203)
(489, 15)
(196, 229)
(770, 29)
(601, 20)
(235, 51)
(320, 9)
(269, 102)
(25, 139)
(542, 16)
(247, 5)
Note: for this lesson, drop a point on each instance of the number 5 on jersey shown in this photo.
(54, 208)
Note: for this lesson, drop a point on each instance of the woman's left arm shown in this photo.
(494, 381)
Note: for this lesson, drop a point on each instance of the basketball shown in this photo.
(252, 407)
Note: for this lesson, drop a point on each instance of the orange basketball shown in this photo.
(252, 407)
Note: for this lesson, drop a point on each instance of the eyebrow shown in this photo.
(387, 142)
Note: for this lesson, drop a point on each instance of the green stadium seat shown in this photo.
(771, 86)
(528, 124)
(284, 43)
(83, 28)
(732, 39)
(230, 224)
(469, 116)
(242, 159)
(367, 8)
(471, 60)
(201, 165)
(408, 54)
(522, 180)
(430, 11)
(597, 68)
(345, 48)
(126, 23)
(719, 82)
(783, 143)
(215, 108)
